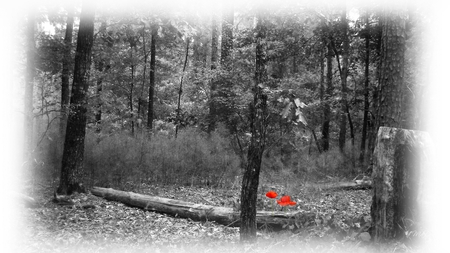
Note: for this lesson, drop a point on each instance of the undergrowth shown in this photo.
(193, 158)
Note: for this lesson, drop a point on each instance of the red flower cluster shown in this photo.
(284, 201)
(271, 194)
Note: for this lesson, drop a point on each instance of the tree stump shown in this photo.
(400, 157)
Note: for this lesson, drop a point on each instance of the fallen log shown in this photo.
(348, 186)
(27, 201)
(200, 212)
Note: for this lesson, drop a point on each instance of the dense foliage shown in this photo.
(297, 91)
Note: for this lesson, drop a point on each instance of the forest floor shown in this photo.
(340, 226)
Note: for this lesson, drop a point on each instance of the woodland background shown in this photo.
(118, 153)
(317, 126)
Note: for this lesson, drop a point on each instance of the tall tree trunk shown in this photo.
(371, 121)
(72, 161)
(132, 39)
(328, 94)
(322, 86)
(344, 73)
(214, 43)
(258, 114)
(362, 153)
(151, 90)
(180, 91)
(65, 75)
(99, 88)
(140, 111)
(29, 88)
(394, 169)
(392, 71)
(100, 68)
(294, 64)
(130, 96)
(213, 83)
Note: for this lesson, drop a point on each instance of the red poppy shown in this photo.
(286, 200)
(281, 203)
(271, 194)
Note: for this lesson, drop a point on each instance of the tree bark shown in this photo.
(151, 90)
(400, 158)
(258, 114)
(65, 75)
(72, 161)
(199, 212)
(391, 83)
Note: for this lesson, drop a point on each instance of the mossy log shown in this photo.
(400, 158)
(200, 212)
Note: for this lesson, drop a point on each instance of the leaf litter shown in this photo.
(341, 224)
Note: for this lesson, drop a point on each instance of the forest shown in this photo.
(174, 127)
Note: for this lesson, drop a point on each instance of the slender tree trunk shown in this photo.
(362, 153)
(344, 73)
(322, 86)
(144, 73)
(72, 161)
(151, 90)
(180, 91)
(294, 64)
(350, 124)
(214, 43)
(99, 88)
(65, 75)
(131, 92)
(315, 139)
(326, 104)
(102, 67)
(132, 39)
(99, 85)
(29, 88)
(213, 82)
(258, 114)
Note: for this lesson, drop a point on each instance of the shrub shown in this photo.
(303, 166)
(192, 158)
